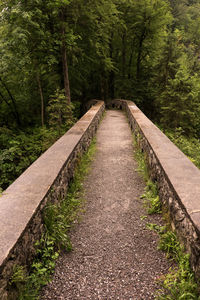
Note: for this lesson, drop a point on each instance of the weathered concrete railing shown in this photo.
(46, 180)
(178, 179)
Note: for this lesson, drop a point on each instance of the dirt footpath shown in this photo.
(115, 256)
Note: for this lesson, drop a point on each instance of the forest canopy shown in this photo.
(56, 55)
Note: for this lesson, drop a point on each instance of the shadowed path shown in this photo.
(114, 255)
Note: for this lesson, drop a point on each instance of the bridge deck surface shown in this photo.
(115, 256)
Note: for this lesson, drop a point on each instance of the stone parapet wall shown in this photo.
(177, 178)
(45, 181)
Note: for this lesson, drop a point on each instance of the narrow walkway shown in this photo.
(114, 255)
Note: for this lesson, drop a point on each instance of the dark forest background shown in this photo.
(57, 55)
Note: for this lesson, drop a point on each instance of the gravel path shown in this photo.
(114, 255)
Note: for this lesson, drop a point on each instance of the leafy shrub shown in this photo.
(189, 145)
(151, 198)
(60, 112)
(18, 150)
(180, 282)
(21, 149)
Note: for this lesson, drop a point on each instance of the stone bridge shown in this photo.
(47, 180)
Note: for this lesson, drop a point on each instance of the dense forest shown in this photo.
(56, 55)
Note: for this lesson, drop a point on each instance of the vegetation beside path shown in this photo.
(20, 148)
(190, 146)
(179, 283)
(143, 50)
(58, 219)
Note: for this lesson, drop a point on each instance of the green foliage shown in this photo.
(19, 276)
(19, 150)
(105, 43)
(180, 99)
(60, 112)
(157, 228)
(179, 283)
(145, 50)
(151, 198)
(142, 167)
(57, 224)
(141, 39)
(140, 157)
(176, 81)
(189, 145)
(41, 269)
(143, 217)
(58, 218)
(170, 245)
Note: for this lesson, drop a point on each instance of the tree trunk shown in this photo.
(103, 86)
(13, 102)
(112, 84)
(123, 54)
(41, 98)
(141, 40)
(5, 100)
(64, 59)
(130, 61)
(111, 80)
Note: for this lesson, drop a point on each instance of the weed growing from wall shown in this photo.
(151, 198)
(179, 283)
(58, 218)
(150, 195)
(140, 158)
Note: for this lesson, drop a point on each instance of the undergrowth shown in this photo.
(150, 195)
(151, 198)
(58, 218)
(190, 146)
(19, 150)
(179, 283)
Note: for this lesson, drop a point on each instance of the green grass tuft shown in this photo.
(180, 282)
(151, 198)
